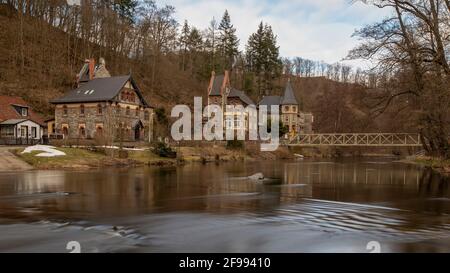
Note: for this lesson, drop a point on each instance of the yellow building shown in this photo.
(290, 114)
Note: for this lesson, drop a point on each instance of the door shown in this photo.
(137, 133)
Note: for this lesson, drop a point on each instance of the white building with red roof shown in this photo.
(19, 124)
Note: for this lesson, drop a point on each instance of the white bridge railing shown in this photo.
(369, 139)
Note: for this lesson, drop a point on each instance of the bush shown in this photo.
(123, 154)
(164, 150)
(235, 144)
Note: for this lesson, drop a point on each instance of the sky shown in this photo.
(313, 29)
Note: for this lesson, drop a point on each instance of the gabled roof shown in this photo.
(217, 85)
(289, 97)
(8, 111)
(97, 90)
(270, 100)
(234, 93)
(12, 121)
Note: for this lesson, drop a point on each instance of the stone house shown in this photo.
(290, 114)
(220, 92)
(19, 124)
(103, 107)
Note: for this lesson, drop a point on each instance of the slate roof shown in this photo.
(270, 100)
(12, 121)
(97, 90)
(7, 110)
(217, 85)
(289, 97)
(234, 93)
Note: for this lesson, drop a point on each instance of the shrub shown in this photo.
(164, 150)
(123, 154)
(235, 144)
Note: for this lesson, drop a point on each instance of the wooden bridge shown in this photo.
(356, 140)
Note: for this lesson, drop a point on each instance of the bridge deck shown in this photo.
(357, 139)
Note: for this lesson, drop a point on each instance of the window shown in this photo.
(23, 131)
(286, 108)
(229, 122)
(99, 109)
(7, 131)
(294, 108)
(238, 123)
(82, 109)
(99, 130)
(82, 131)
(65, 130)
(137, 112)
(33, 132)
(147, 115)
(128, 111)
(65, 110)
(24, 112)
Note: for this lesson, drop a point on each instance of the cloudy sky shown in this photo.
(314, 29)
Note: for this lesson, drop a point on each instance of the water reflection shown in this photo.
(382, 199)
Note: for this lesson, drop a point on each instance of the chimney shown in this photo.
(91, 69)
(226, 80)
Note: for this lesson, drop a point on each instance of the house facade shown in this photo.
(19, 124)
(103, 107)
(290, 114)
(221, 93)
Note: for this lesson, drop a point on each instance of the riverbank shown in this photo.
(9, 162)
(439, 165)
(91, 158)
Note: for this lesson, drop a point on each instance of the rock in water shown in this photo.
(257, 176)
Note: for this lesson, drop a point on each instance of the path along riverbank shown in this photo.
(9, 162)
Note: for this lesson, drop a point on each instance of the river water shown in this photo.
(304, 206)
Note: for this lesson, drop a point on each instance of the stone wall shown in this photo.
(109, 116)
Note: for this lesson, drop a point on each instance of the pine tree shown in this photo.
(263, 57)
(273, 63)
(195, 45)
(184, 41)
(228, 42)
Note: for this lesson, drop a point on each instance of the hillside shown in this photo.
(39, 62)
(49, 68)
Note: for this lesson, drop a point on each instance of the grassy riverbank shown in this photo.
(75, 158)
(80, 158)
(437, 164)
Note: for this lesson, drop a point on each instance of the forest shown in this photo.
(43, 44)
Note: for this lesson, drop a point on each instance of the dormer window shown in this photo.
(24, 112)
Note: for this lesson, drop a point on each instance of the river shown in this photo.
(304, 206)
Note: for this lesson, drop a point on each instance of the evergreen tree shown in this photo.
(228, 42)
(184, 42)
(195, 45)
(263, 57)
